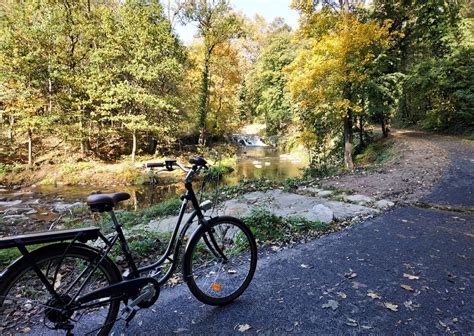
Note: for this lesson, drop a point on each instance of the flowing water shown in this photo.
(45, 203)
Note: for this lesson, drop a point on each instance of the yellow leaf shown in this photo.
(342, 295)
(244, 327)
(407, 287)
(391, 306)
(410, 276)
(373, 295)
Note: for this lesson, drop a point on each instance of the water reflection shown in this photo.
(265, 162)
(252, 163)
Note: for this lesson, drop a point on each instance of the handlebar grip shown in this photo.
(155, 164)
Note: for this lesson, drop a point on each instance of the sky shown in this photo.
(269, 9)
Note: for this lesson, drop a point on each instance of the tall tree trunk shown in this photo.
(50, 87)
(203, 99)
(30, 147)
(384, 128)
(348, 141)
(361, 131)
(10, 128)
(134, 145)
(81, 133)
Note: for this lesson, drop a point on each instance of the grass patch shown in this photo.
(145, 244)
(376, 153)
(467, 137)
(268, 227)
(168, 207)
(8, 255)
(130, 219)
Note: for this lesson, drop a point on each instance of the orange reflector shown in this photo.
(216, 287)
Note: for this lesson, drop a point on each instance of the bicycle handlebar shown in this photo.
(155, 164)
(198, 163)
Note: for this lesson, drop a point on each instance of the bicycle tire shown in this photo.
(210, 278)
(20, 279)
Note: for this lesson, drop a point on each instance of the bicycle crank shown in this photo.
(147, 296)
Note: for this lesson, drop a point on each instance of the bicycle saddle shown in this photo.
(105, 202)
(198, 161)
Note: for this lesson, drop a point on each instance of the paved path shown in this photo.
(434, 248)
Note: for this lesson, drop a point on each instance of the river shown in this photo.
(44, 203)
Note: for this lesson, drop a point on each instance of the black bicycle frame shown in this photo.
(174, 245)
(171, 254)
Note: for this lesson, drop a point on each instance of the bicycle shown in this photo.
(70, 287)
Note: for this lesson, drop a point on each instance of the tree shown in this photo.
(136, 72)
(331, 65)
(430, 31)
(216, 25)
(266, 85)
(25, 65)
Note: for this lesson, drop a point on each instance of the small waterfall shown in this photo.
(248, 140)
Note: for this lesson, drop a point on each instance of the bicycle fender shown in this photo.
(59, 246)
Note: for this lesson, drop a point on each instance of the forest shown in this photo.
(109, 79)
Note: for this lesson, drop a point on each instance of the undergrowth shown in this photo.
(268, 227)
(376, 153)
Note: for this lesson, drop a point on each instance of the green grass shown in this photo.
(8, 255)
(376, 153)
(129, 218)
(268, 227)
(168, 207)
(144, 244)
(469, 137)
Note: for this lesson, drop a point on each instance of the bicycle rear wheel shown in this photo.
(220, 262)
(27, 306)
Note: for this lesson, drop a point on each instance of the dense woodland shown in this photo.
(102, 79)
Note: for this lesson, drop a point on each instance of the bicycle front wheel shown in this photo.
(220, 262)
(26, 306)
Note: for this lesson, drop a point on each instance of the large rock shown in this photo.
(16, 211)
(320, 213)
(63, 207)
(10, 203)
(282, 204)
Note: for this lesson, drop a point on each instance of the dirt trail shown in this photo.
(419, 161)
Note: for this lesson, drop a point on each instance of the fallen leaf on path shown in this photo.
(442, 324)
(357, 285)
(350, 274)
(407, 287)
(306, 266)
(342, 295)
(410, 276)
(331, 304)
(391, 306)
(174, 280)
(410, 306)
(180, 331)
(366, 327)
(351, 322)
(373, 295)
(244, 327)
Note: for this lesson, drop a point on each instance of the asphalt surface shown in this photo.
(429, 251)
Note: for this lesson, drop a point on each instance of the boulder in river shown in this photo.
(10, 203)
